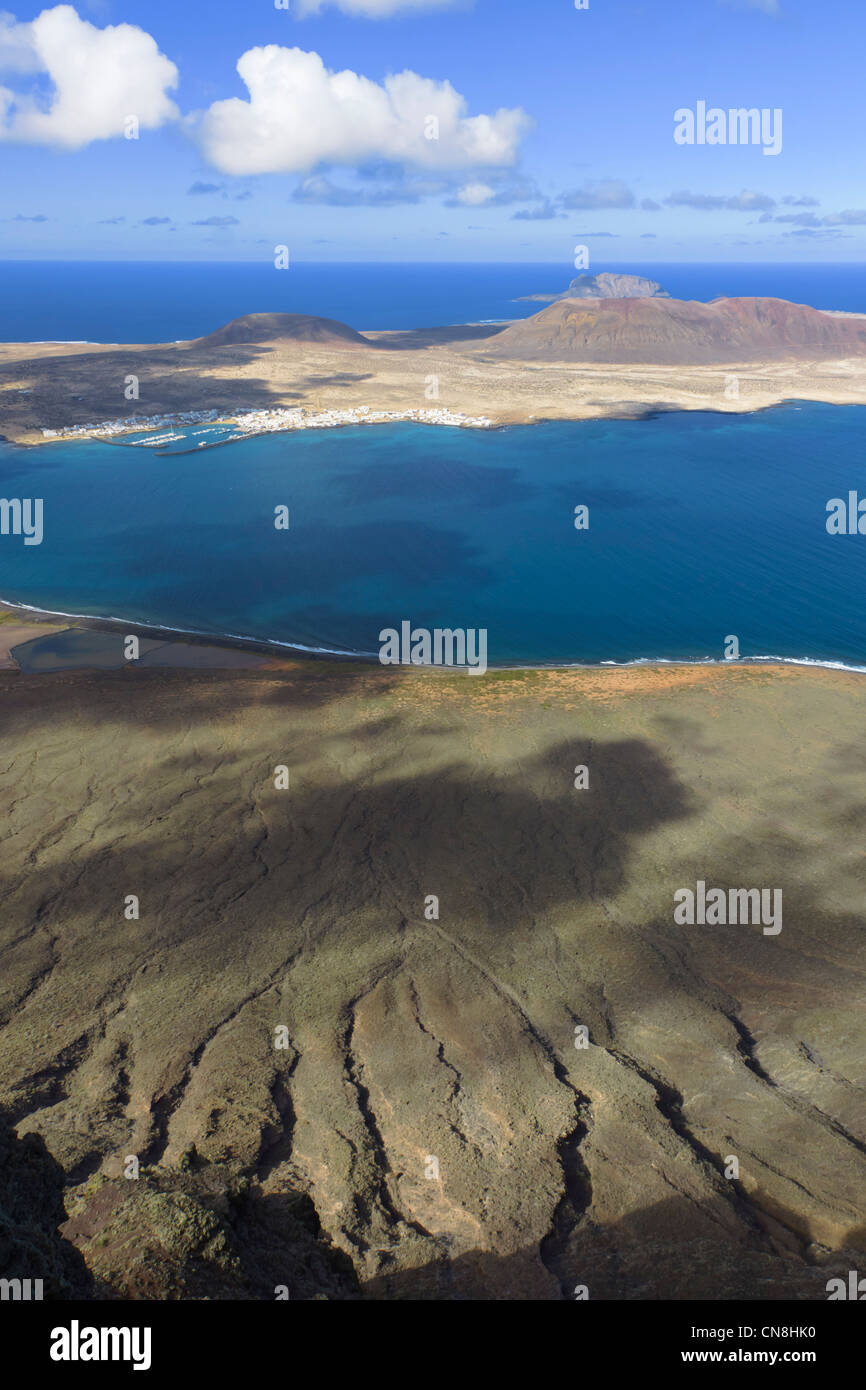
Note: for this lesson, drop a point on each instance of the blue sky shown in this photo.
(557, 128)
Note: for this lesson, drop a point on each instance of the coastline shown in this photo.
(253, 423)
(292, 652)
(478, 392)
(636, 410)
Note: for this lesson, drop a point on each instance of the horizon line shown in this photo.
(267, 261)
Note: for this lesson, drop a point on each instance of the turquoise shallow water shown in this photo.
(701, 525)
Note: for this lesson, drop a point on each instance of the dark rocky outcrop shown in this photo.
(31, 1211)
(196, 1232)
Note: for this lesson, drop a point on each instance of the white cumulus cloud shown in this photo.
(475, 195)
(299, 114)
(98, 78)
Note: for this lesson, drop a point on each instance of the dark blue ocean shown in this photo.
(146, 302)
(701, 526)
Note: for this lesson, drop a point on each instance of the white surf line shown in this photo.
(824, 663)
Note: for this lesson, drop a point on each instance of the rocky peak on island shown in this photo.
(610, 286)
(605, 285)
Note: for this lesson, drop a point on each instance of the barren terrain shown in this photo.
(410, 1039)
(571, 361)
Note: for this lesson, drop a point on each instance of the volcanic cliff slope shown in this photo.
(677, 331)
(283, 1003)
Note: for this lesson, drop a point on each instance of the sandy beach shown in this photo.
(43, 642)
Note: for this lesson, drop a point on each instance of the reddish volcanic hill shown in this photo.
(677, 331)
(263, 328)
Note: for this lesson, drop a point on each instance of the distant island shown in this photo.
(605, 285)
(577, 358)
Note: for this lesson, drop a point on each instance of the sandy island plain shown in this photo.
(57, 386)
